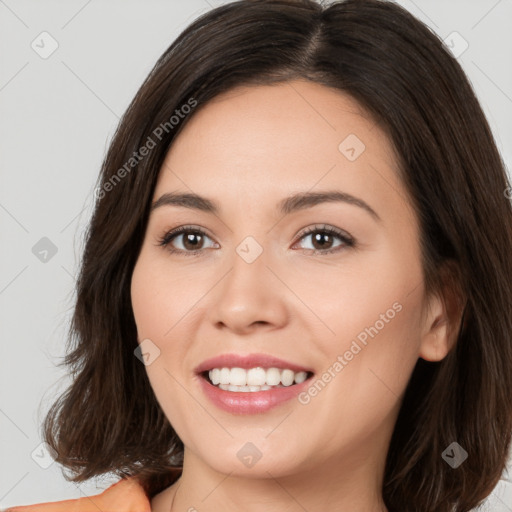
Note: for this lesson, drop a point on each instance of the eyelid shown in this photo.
(173, 233)
(347, 239)
(326, 228)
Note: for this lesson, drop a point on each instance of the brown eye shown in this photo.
(323, 239)
(190, 239)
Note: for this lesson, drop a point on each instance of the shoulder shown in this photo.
(127, 495)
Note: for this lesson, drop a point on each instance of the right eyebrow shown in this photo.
(186, 200)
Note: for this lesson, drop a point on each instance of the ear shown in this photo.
(441, 323)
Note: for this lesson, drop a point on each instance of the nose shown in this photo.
(249, 297)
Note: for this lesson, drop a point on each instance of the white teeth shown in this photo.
(300, 377)
(230, 387)
(238, 377)
(273, 376)
(287, 377)
(224, 376)
(215, 376)
(254, 379)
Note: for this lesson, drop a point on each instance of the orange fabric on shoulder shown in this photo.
(127, 495)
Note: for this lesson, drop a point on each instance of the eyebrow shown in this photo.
(293, 203)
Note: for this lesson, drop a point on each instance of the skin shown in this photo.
(247, 150)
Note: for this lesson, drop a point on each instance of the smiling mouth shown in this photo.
(254, 379)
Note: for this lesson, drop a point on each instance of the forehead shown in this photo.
(260, 143)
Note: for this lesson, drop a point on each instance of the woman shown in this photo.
(295, 293)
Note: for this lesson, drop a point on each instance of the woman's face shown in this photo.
(344, 305)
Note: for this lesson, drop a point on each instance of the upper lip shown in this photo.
(248, 361)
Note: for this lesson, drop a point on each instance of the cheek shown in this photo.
(365, 379)
(366, 296)
(163, 297)
(373, 313)
(162, 302)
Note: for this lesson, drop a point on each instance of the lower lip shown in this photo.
(250, 402)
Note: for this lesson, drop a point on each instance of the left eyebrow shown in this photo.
(293, 203)
(305, 200)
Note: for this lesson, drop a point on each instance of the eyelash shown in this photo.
(346, 239)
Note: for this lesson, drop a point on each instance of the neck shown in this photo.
(334, 487)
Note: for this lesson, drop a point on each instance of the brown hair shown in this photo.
(396, 68)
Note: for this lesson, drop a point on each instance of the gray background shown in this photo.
(57, 117)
